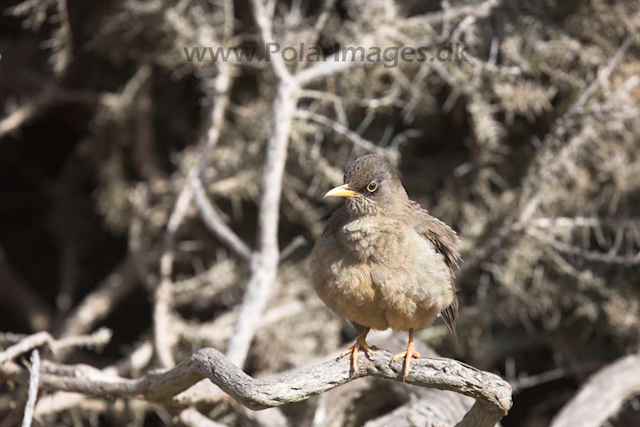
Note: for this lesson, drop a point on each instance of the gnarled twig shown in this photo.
(492, 394)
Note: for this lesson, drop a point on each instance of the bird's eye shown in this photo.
(373, 186)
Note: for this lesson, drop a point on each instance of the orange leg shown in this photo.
(353, 350)
(407, 355)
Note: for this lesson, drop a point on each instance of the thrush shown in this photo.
(383, 261)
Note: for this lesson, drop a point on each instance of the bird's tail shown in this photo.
(449, 315)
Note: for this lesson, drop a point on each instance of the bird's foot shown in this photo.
(354, 349)
(408, 354)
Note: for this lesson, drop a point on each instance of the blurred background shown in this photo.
(132, 187)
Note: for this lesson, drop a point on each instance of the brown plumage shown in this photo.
(383, 261)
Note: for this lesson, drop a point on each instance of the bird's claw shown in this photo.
(353, 350)
(408, 354)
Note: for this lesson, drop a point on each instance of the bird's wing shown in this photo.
(336, 221)
(446, 241)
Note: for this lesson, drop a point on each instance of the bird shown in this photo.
(383, 261)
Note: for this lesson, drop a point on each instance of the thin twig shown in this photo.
(263, 20)
(581, 221)
(96, 340)
(215, 223)
(331, 66)
(603, 75)
(34, 381)
(608, 258)
(353, 137)
(98, 304)
(164, 334)
(48, 97)
(192, 418)
(131, 365)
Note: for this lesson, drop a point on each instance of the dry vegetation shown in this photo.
(153, 206)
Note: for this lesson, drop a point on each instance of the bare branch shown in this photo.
(292, 247)
(602, 396)
(13, 121)
(581, 221)
(610, 257)
(132, 364)
(34, 382)
(204, 286)
(353, 137)
(548, 162)
(164, 333)
(331, 66)
(25, 344)
(322, 20)
(264, 264)
(192, 418)
(46, 98)
(492, 394)
(217, 332)
(264, 23)
(99, 303)
(603, 75)
(216, 224)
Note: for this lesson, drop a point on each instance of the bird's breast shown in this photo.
(369, 237)
(381, 274)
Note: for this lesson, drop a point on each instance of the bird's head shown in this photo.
(370, 186)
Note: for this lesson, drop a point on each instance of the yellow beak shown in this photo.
(341, 191)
